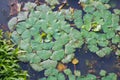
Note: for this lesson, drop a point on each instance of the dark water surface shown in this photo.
(88, 62)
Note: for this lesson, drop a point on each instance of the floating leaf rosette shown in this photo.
(100, 27)
(45, 36)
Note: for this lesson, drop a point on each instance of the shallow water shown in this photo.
(88, 62)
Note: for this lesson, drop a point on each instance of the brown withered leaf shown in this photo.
(15, 7)
(61, 6)
(61, 67)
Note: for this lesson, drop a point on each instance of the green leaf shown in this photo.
(51, 72)
(117, 28)
(93, 48)
(49, 30)
(87, 26)
(115, 20)
(26, 35)
(117, 11)
(84, 33)
(100, 6)
(24, 44)
(35, 59)
(48, 64)
(20, 27)
(77, 14)
(87, 18)
(60, 76)
(90, 77)
(24, 57)
(57, 45)
(102, 72)
(75, 34)
(91, 41)
(68, 72)
(44, 54)
(11, 23)
(105, 28)
(22, 16)
(29, 56)
(61, 41)
(110, 34)
(68, 58)
(65, 27)
(69, 49)
(71, 77)
(76, 43)
(58, 55)
(104, 51)
(97, 15)
(77, 73)
(34, 13)
(101, 37)
(34, 31)
(47, 46)
(67, 14)
(51, 78)
(89, 9)
(37, 38)
(37, 67)
(103, 43)
(52, 2)
(36, 46)
(117, 52)
(111, 76)
(15, 37)
(51, 17)
(78, 22)
(107, 16)
(100, 53)
(116, 39)
(31, 22)
(43, 8)
(29, 6)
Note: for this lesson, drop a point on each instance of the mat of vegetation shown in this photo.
(50, 40)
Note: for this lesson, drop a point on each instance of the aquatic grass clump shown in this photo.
(48, 37)
(9, 67)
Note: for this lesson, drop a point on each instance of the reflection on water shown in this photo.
(4, 11)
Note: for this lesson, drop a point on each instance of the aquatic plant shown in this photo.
(9, 67)
(67, 75)
(49, 38)
(100, 27)
(44, 36)
(102, 73)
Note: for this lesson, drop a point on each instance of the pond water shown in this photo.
(88, 62)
